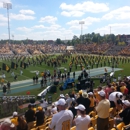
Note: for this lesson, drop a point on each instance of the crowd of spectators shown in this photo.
(103, 108)
(125, 51)
(26, 49)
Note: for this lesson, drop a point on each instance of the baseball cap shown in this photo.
(80, 92)
(80, 107)
(126, 102)
(7, 122)
(90, 93)
(61, 102)
(101, 93)
(15, 113)
(62, 95)
(40, 108)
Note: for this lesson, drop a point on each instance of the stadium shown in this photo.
(78, 84)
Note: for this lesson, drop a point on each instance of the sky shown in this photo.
(52, 19)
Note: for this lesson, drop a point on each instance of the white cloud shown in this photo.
(74, 24)
(120, 14)
(24, 29)
(31, 12)
(48, 19)
(83, 7)
(4, 1)
(72, 13)
(3, 18)
(38, 27)
(21, 17)
(53, 27)
(116, 28)
(3, 24)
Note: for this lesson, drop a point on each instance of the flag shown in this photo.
(7, 68)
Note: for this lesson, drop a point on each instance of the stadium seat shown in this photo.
(66, 125)
(120, 126)
(92, 114)
(34, 129)
(42, 127)
(93, 122)
(48, 120)
(73, 128)
(126, 127)
(91, 128)
(48, 123)
(111, 123)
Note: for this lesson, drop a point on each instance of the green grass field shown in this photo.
(27, 73)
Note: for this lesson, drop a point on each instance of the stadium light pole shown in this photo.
(81, 23)
(8, 6)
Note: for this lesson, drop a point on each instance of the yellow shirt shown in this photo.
(97, 96)
(122, 89)
(91, 102)
(15, 121)
(103, 108)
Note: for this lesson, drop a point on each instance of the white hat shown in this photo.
(61, 102)
(62, 95)
(7, 122)
(102, 93)
(15, 113)
(54, 110)
(80, 107)
(126, 102)
(90, 93)
(85, 95)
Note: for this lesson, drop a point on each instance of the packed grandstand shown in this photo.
(93, 48)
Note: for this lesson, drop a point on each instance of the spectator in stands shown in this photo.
(45, 104)
(40, 116)
(53, 109)
(7, 125)
(68, 100)
(22, 125)
(72, 108)
(48, 112)
(124, 116)
(30, 116)
(79, 99)
(115, 99)
(92, 101)
(14, 120)
(82, 120)
(85, 101)
(108, 90)
(63, 118)
(102, 112)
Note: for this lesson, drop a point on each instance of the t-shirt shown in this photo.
(112, 96)
(68, 102)
(61, 118)
(40, 118)
(82, 122)
(103, 108)
(91, 102)
(29, 115)
(15, 121)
